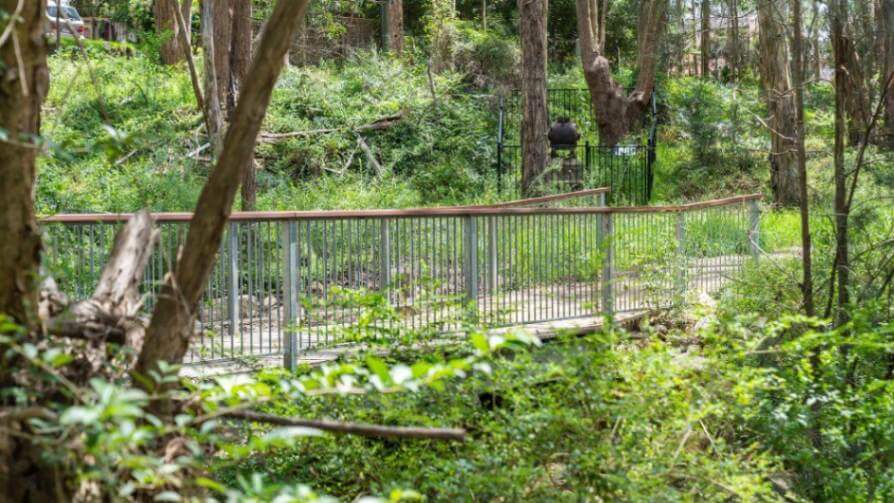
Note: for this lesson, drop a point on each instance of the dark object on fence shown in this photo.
(563, 135)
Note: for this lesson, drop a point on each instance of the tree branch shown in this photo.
(361, 429)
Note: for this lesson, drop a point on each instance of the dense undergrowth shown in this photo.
(727, 405)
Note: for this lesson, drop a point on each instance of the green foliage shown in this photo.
(710, 137)
(439, 153)
(105, 436)
(596, 417)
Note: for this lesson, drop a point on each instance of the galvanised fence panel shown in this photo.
(289, 282)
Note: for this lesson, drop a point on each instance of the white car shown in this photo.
(68, 17)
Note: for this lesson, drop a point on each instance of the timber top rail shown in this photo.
(544, 199)
(493, 210)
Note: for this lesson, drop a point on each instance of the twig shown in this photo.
(191, 64)
(99, 98)
(23, 77)
(198, 151)
(361, 429)
(370, 156)
(431, 86)
(12, 22)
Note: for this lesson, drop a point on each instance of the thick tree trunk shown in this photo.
(24, 81)
(23, 86)
(393, 25)
(777, 86)
(616, 112)
(535, 119)
(706, 38)
(172, 324)
(887, 15)
(173, 50)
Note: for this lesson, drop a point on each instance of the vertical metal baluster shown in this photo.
(290, 295)
(470, 265)
(607, 243)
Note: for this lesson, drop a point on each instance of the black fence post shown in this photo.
(500, 167)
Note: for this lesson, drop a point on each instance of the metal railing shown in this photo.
(287, 282)
(627, 169)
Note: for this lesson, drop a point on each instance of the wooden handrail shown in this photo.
(542, 199)
(86, 218)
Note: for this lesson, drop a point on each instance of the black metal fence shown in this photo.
(626, 169)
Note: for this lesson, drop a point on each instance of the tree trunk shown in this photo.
(706, 38)
(841, 49)
(535, 119)
(172, 50)
(857, 103)
(172, 324)
(240, 59)
(24, 81)
(734, 58)
(616, 112)
(393, 25)
(887, 14)
(213, 96)
(777, 87)
(800, 132)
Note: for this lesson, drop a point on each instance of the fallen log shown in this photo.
(110, 314)
(378, 124)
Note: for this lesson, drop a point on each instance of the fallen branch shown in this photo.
(99, 97)
(109, 315)
(363, 430)
(370, 156)
(378, 124)
(190, 62)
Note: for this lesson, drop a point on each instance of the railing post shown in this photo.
(754, 212)
(290, 295)
(233, 277)
(492, 272)
(470, 264)
(385, 253)
(601, 200)
(682, 263)
(606, 244)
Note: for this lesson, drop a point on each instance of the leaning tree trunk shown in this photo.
(706, 38)
(777, 86)
(23, 86)
(887, 15)
(616, 112)
(173, 50)
(535, 118)
(173, 320)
